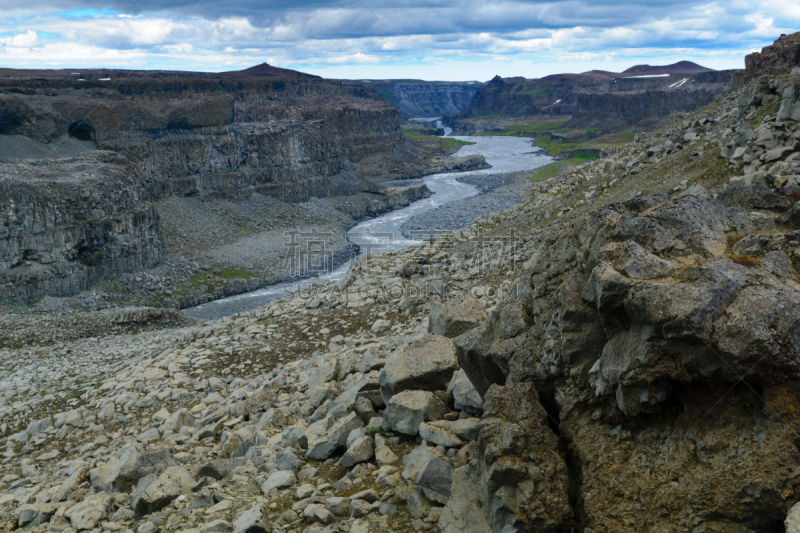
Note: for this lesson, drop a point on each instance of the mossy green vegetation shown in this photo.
(551, 170)
(448, 143)
(386, 95)
(528, 130)
(554, 147)
(202, 279)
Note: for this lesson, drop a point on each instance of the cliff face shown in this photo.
(70, 223)
(90, 217)
(782, 54)
(601, 99)
(415, 98)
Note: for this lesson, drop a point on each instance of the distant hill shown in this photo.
(680, 66)
(259, 71)
(265, 70)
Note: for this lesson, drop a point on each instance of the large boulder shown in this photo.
(453, 317)
(89, 513)
(407, 410)
(647, 336)
(132, 466)
(463, 393)
(430, 471)
(524, 480)
(154, 493)
(253, 520)
(334, 438)
(425, 364)
(359, 451)
(464, 511)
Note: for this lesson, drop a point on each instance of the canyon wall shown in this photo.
(71, 221)
(417, 98)
(608, 101)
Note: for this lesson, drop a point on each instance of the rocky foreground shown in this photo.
(618, 352)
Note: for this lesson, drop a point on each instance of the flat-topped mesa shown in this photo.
(784, 53)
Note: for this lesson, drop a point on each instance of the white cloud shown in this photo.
(393, 37)
(23, 40)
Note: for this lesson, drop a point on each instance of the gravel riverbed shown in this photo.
(498, 193)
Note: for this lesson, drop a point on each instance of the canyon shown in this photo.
(87, 164)
(618, 351)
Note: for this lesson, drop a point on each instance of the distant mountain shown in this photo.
(265, 70)
(259, 71)
(680, 66)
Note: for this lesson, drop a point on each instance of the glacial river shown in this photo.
(504, 154)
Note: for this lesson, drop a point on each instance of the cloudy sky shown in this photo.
(428, 39)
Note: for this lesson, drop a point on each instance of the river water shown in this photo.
(382, 233)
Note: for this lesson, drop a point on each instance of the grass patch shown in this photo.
(745, 260)
(529, 130)
(199, 280)
(769, 109)
(551, 170)
(448, 143)
(386, 95)
(554, 147)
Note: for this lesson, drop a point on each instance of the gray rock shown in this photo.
(358, 508)
(426, 364)
(287, 460)
(792, 522)
(379, 326)
(415, 461)
(473, 349)
(418, 504)
(317, 514)
(439, 435)
(254, 520)
(220, 468)
(34, 428)
(69, 485)
(217, 526)
(454, 317)
(436, 479)
(369, 495)
(179, 420)
(464, 511)
(354, 436)
(335, 438)
(155, 494)
(280, 479)
(463, 428)
(360, 452)
(147, 527)
(35, 513)
(407, 410)
(337, 505)
(383, 453)
(132, 466)
(324, 373)
(294, 436)
(463, 393)
(90, 512)
(364, 409)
